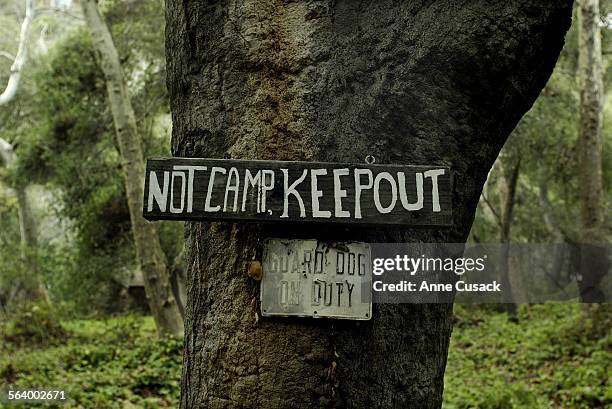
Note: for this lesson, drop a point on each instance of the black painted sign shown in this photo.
(253, 190)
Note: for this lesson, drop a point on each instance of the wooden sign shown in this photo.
(276, 191)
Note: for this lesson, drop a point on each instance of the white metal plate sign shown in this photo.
(309, 278)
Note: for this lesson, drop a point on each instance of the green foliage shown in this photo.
(30, 324)
(15, 273)
(117, 363)
(555, 356)
(545, 140)
(82, 285)
(67, 142)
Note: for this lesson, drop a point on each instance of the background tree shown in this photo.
(27, 229)
(62, 130)
(547, 208)
(149, 253)
(20, 58)
(594, 263)
(336, 81)
(31, 286)
(500, 196)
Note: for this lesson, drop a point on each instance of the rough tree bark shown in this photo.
(148, 249)
(594, 262)
(434, 82)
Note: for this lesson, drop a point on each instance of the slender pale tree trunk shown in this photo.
(27, 227)
(594, 263)
(407, 82)
(20, 58)
(27, 222)
(148, 249)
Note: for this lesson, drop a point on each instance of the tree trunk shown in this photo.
(594, 261)
(20, 58)
(335, 81)
(148, 249)
(27, 223)
(508, 184)
(27, 229)
(557, 274)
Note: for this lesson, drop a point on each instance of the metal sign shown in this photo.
(240, 190)
(310, 278)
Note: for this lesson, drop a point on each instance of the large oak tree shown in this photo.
(410, 82)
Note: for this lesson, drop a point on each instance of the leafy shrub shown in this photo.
(555, 356)
(114, 363)
(32, 323)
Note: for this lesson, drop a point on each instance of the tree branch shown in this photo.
(20, 58)
(7, 154)
(7, 55)
(492, 209)
(547, 212)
